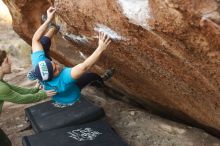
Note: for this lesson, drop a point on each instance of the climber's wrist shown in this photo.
(47, 21)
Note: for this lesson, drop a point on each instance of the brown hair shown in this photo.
(3, 55)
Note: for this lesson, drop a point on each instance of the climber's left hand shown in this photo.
(50, 13)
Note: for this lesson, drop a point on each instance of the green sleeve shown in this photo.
(23, 90)
(7, 94)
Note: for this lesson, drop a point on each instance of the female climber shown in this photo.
(66, 81)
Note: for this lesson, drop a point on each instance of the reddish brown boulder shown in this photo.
(166, 52)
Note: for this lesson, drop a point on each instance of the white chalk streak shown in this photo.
(111, 33)
(82, 55)
(78, 38)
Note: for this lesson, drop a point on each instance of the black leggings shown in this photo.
(92, 79)
(4, 140)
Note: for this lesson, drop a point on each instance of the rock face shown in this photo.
(166, 52)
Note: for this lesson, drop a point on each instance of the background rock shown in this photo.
(166, 52)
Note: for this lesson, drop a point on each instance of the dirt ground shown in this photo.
(136, 126)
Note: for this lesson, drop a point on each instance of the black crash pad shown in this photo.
(46, 116)
(97, 133)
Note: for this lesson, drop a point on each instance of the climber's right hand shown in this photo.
(104, 41)
(50, 13)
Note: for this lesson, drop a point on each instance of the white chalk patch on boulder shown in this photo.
(76, 38)
(111, 33)
(137, 11)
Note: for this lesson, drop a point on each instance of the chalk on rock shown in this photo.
(80, 39)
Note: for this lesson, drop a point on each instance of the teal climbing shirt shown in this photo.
(65, 86)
